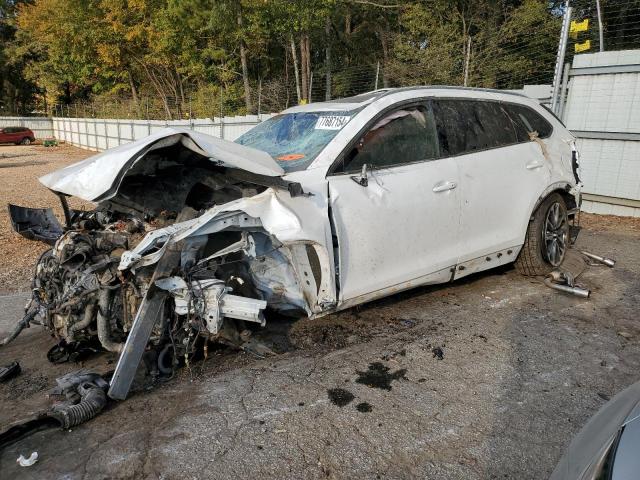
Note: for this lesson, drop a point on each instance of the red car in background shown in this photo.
(17, 135)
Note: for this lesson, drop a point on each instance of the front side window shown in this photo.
(294, 140)
(401, 136)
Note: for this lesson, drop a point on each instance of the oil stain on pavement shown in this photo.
(379, 376)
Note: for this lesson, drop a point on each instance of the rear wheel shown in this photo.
(547, 238)
(25, 141)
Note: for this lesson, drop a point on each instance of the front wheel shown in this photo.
(547, 239)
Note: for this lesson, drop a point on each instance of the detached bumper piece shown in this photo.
(35, 223)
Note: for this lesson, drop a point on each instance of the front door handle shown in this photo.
(444, 186)
(534, 165)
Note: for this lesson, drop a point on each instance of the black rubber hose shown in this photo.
(93, 400)
(161, 361)
(21, 325)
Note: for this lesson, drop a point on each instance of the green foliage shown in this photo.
(186, 55)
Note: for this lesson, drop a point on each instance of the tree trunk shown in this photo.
(245, 69)
(327, 58)
(294, 56)
(286, 73)
(303, 70)
(382, 34)
(466, 62)
(307, 55)
(134, 91)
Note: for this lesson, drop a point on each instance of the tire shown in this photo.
(547, 239)
(25, 141)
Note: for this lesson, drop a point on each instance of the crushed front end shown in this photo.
(184, 247)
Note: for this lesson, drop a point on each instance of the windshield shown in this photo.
(295, 139)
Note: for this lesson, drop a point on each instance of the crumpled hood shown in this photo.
(97, 177)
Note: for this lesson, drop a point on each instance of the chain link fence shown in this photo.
(521, 49)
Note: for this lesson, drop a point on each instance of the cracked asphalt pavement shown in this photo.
(489, 377)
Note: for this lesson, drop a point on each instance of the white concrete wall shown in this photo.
(40, 126)
(609, 103)
(102, 133)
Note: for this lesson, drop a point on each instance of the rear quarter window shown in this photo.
(527, 121)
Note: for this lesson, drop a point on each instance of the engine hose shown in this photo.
(21, 325)
(89, 315)
(104, 331)
(93, 400)
(161, 360)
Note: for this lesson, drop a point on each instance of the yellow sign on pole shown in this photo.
(577, 27)
(581, 47)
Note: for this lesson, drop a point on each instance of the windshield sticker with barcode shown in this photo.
(331, 122)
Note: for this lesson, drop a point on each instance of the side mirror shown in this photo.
(363, 179)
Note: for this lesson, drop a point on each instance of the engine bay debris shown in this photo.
(192, 239)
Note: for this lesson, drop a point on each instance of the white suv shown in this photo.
(317, 209)
(426, 185)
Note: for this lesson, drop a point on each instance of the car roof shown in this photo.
(358, 101)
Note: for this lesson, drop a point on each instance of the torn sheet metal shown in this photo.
(271, 211)
(98, 177)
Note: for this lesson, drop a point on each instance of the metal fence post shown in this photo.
(600, 33)
(562, 48)
(563, 90)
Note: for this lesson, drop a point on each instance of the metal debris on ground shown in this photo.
(438, 353)
(9, 371)
(598, 260)
(564, 278)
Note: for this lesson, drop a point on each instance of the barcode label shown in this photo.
(331, 122)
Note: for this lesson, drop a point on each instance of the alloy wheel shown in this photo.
(555, 234)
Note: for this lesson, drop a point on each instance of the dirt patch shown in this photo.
(609, 223)
(21, 164)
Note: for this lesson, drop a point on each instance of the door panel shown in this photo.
(497, 187)
(402, 226)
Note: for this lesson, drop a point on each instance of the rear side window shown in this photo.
(9, 130)
(528, 121)
(465, 126)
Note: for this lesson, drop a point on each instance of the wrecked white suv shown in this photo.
(320, 208)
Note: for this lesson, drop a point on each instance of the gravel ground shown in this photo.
(20, 167)
(489, 377)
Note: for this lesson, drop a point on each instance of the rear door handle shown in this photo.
(444, 186)
(534, 165)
